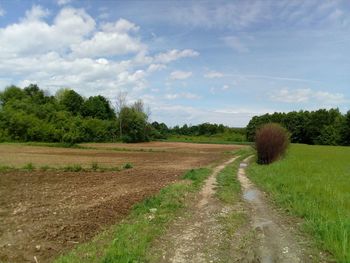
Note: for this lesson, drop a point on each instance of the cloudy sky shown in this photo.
(191, 62)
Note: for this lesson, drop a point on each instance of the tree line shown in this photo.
(323, 127)
(31, 114)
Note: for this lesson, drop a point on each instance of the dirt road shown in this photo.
(265, 236)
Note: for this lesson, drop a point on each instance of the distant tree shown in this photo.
(11, 93)
(134, 125)
(97, 107)
(70, 100)
(345, 130)
(120, 105)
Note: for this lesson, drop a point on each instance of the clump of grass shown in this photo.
(133, 237)
(6, 168)
(29, 167)
(127, 166)
(271, 142)
(73, 168)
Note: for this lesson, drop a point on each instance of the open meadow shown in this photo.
(54, 198)
(313, 183)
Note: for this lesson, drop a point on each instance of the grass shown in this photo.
(208, 139)
(130, 240)
(228, 189)
(313, 182)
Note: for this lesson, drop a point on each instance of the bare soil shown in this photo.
(43, 214)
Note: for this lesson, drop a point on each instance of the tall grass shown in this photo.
(313, 182)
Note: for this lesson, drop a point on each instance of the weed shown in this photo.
(73, 168)
(127, 166)
(28, 167)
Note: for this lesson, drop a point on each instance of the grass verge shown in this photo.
(312, 182)
(130, 240)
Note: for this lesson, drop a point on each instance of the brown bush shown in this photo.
(271, 142)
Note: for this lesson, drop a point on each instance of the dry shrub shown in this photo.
(271, 142)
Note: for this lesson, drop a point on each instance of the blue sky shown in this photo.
(190, 61)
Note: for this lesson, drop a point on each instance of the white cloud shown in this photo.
(213, 74)
(180, 75)
(155, 67)
(70, 26)
(175, 54)
(36, 13)
(63, 2)
(307, 95)
(74, 51)
(114, 39)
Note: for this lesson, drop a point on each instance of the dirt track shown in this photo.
(45, 213)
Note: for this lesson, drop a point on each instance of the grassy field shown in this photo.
(313, 182)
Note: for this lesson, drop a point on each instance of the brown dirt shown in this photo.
(43, 214)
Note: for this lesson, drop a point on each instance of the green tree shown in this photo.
(98, 107)
(70, 100)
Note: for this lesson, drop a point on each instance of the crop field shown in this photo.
(313, 182)
(46, 209)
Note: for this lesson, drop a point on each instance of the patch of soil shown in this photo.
(43, 214)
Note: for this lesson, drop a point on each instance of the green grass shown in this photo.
(216, 139)
(228, 187)
(130, 240)
(313, 182)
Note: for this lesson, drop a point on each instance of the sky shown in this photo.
(189, 61)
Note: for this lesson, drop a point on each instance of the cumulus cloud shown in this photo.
(114, 39)
(306, 95)
(70, 26)
(180, 75)
(75, 51)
